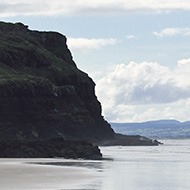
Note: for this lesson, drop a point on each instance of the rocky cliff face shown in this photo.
(43, 94)
(49, 149)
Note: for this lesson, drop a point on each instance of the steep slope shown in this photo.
(43, 94)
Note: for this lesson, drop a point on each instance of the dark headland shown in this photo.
(48, 107)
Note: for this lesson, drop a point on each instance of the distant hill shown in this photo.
(155, 129)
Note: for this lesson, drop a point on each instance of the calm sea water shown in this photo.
(165, 167)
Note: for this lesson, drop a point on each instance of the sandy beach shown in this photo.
(25, 174)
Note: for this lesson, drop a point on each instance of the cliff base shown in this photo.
(49, 149)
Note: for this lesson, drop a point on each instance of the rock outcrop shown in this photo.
(49, 149)
(43, 95)
(129, 140)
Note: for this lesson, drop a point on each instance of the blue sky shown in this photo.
(137, 52)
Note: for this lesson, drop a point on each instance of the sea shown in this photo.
(163, 167)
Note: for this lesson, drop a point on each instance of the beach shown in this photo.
(28, 174)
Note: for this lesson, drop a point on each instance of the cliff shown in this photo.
(43, 95)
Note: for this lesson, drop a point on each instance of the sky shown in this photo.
(136, 51)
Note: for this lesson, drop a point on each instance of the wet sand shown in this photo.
(26, 174)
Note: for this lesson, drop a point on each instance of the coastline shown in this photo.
(144, 167)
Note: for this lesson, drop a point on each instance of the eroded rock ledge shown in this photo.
(129, 140)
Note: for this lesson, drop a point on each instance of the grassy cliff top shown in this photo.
(26, 55)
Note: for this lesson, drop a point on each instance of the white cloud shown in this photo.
(173, 32)
(86, 7)
(182, 72)
(85, 44)
(144, 91)
(184, 63)
(130, 37)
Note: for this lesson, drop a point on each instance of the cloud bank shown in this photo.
(142, 90)
(85, 44)
(86, 7)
